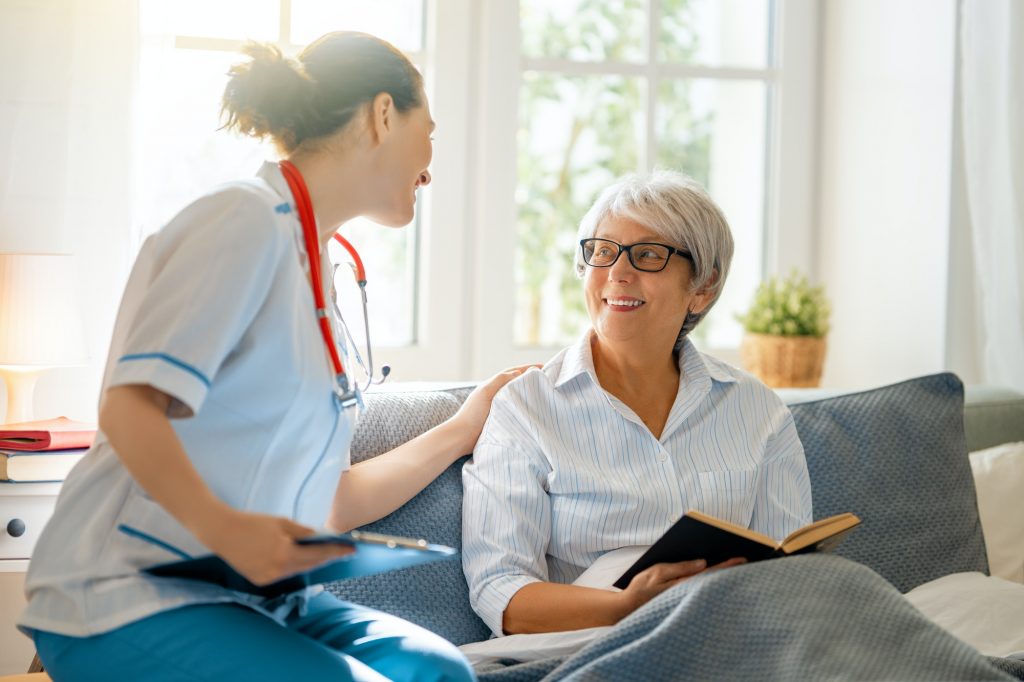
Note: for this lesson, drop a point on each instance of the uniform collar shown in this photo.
(579, 360)
(270, 173)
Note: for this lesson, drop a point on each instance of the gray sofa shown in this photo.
(896, 456)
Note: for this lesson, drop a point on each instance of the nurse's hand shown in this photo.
(262, 548)
(473, 413)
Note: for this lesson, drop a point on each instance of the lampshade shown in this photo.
(40, 318)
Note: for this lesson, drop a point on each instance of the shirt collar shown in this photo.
(270, 172)
(693, 364)
(578, 360)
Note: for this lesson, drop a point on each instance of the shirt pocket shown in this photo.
(727, 495)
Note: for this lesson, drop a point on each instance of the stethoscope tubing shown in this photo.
(304, 206)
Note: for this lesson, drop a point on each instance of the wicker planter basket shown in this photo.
(784, 361)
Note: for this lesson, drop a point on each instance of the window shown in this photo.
(613, 87)
(540, 104)
(607, 87)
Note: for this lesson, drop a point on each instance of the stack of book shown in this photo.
(32, 452)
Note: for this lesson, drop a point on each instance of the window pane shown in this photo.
(389, 256)
(716, 32)
(584, 30)
(576, 135)
(182, 155)
(400, 22)
(231, 19)
(716, 132)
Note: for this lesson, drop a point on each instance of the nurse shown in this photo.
(223, 425)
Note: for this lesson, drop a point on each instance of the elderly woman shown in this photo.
(624, 431)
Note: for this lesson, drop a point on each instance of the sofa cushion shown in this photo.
(434, 595)
(896, 457)
(999, 480)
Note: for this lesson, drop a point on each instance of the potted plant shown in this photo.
(785, 327)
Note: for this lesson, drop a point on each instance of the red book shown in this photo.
(50, 434)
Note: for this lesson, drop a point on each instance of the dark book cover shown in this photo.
(692, 538)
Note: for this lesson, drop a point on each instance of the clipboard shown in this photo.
(375, 553)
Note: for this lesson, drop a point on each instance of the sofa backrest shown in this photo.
(992, 416)
(894, 455)
(434, 595)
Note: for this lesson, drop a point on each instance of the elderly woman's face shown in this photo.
(628, 305)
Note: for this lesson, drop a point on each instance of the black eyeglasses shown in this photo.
(644, 256)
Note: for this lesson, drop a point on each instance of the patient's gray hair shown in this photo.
(681, 212)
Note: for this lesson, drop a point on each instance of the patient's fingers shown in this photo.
(735, 561)
(662, 573)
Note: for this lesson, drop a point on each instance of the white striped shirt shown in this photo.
(564, 471)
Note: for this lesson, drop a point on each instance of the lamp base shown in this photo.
(21, 386)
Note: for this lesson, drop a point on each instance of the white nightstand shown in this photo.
(31, 504)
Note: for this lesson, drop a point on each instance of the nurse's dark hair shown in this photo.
(318, 93)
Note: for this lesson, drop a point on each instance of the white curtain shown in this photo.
(992, 110)
(66, 101)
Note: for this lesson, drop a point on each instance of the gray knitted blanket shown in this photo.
(801, 618)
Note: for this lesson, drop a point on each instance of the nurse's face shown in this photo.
(405, 153)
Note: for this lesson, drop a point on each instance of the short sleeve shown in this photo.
(197, 293)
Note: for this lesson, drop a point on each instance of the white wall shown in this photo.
(887, 82)
(65, 126)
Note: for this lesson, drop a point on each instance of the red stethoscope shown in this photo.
(347, 393)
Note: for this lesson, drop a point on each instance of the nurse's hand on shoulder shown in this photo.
(473, 413)
(262, 547)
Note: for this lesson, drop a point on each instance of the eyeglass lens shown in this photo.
(602, 253)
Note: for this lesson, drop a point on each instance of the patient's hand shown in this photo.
(651, 582)
(473, 413)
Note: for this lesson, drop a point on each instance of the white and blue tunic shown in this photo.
(565, 472)
(218, 314)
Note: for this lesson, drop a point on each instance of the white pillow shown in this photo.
(986, 612)
(999, 480)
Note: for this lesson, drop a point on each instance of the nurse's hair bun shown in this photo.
(269, 95)
(299, 101)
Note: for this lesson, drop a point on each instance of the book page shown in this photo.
(818, 531)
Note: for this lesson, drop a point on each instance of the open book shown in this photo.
(699, 536)
(375, 553)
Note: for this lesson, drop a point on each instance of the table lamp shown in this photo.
(40, 324)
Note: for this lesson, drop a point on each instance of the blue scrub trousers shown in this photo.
(333, 640)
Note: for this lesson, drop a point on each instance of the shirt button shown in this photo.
(662, 457)
(674, 518)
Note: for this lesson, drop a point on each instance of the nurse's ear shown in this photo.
(382, 117)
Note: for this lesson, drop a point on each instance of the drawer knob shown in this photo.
(16, 528)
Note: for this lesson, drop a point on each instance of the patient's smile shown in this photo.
(624, 303)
